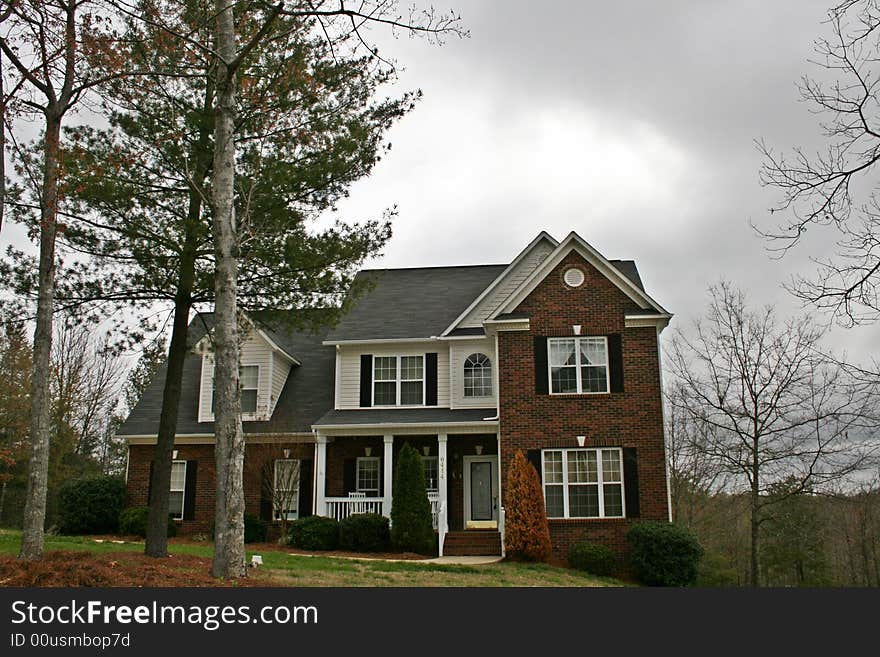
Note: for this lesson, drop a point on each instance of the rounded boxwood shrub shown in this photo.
(364, 532)
(133, 522)
(255, 529)
(591, 558)
(314, 533)
(663, 554)
(90, 506)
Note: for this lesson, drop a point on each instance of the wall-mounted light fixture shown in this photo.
(287, 453)
(426, 449)
(174, 454)
(581, 440)
(368, 451)
(576, 329)
(478, 449)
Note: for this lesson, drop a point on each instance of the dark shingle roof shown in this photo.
(306, 396)
(628, 268)
(413, 303)
(405, 416)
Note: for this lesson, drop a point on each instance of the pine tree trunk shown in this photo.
(229, 555)
(38, 467)
(160, 482)
(157, 523)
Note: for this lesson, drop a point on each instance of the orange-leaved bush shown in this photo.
(526, 533)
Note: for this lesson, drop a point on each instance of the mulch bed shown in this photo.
(68, 568)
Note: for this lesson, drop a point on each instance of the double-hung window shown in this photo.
(248, 381)
(178, 489)
(583, 483)
(578, 365)
(399, 380)
(285, 504)
(367, 476)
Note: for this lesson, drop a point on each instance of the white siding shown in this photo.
(280, 369)
(507, 286)
(254, 351)
(459, 350)
(349, 368)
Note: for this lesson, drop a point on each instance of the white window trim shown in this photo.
(397, 360)
(292, 514)
(491, 377)
(578, 366)
(245, 417)
(182, 491)
(599, 481)
(357, 475)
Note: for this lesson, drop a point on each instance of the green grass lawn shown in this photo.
(283, 569)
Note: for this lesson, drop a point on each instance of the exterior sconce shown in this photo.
(478, 449)
(174, 454)
(368, 451)
(287, 453)
(426, 449)
(581, 440)
(576, 329)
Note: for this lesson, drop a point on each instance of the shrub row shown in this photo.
(364, 532)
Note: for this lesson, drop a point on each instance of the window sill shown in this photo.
(579, 394)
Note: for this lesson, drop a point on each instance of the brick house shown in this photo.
(555, 354)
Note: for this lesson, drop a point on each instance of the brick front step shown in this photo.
(474, 542)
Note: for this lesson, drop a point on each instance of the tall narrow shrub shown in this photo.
(411, 526)
(526, 532)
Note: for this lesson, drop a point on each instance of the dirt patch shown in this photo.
(67, 568)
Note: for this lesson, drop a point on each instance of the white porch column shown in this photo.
(320, 475)
(442, 479)
(389, 475)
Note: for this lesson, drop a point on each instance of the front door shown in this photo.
(480, 491)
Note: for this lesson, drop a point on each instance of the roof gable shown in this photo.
(485, 305)
(626, 282)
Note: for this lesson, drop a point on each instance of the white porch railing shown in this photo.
(342, 507)
(434, 499)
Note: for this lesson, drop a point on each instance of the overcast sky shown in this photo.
(631, 123)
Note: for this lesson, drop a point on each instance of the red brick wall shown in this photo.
(632, 418)
(257, 456)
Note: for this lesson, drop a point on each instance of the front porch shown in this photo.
(354, 474)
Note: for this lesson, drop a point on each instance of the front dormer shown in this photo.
(265, 367)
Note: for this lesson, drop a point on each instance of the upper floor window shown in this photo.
(583, 483)
(578, 365)
(399, 380)
(477, 376)
(248, 380)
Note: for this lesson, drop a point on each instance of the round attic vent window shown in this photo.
(573, 277)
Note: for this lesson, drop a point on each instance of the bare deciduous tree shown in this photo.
(836, 187)
(770, 405)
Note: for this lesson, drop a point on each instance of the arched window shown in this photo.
(477, 376)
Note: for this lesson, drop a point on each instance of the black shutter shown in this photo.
(150, 485)
(615, 362)
(534, 457)
(542, 384)
(349, 476)
(631, 481)
(366, 379)
(430, 379)
(189, 492)
(267, 490)
(306, 483)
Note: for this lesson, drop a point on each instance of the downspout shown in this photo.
(663, 427)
